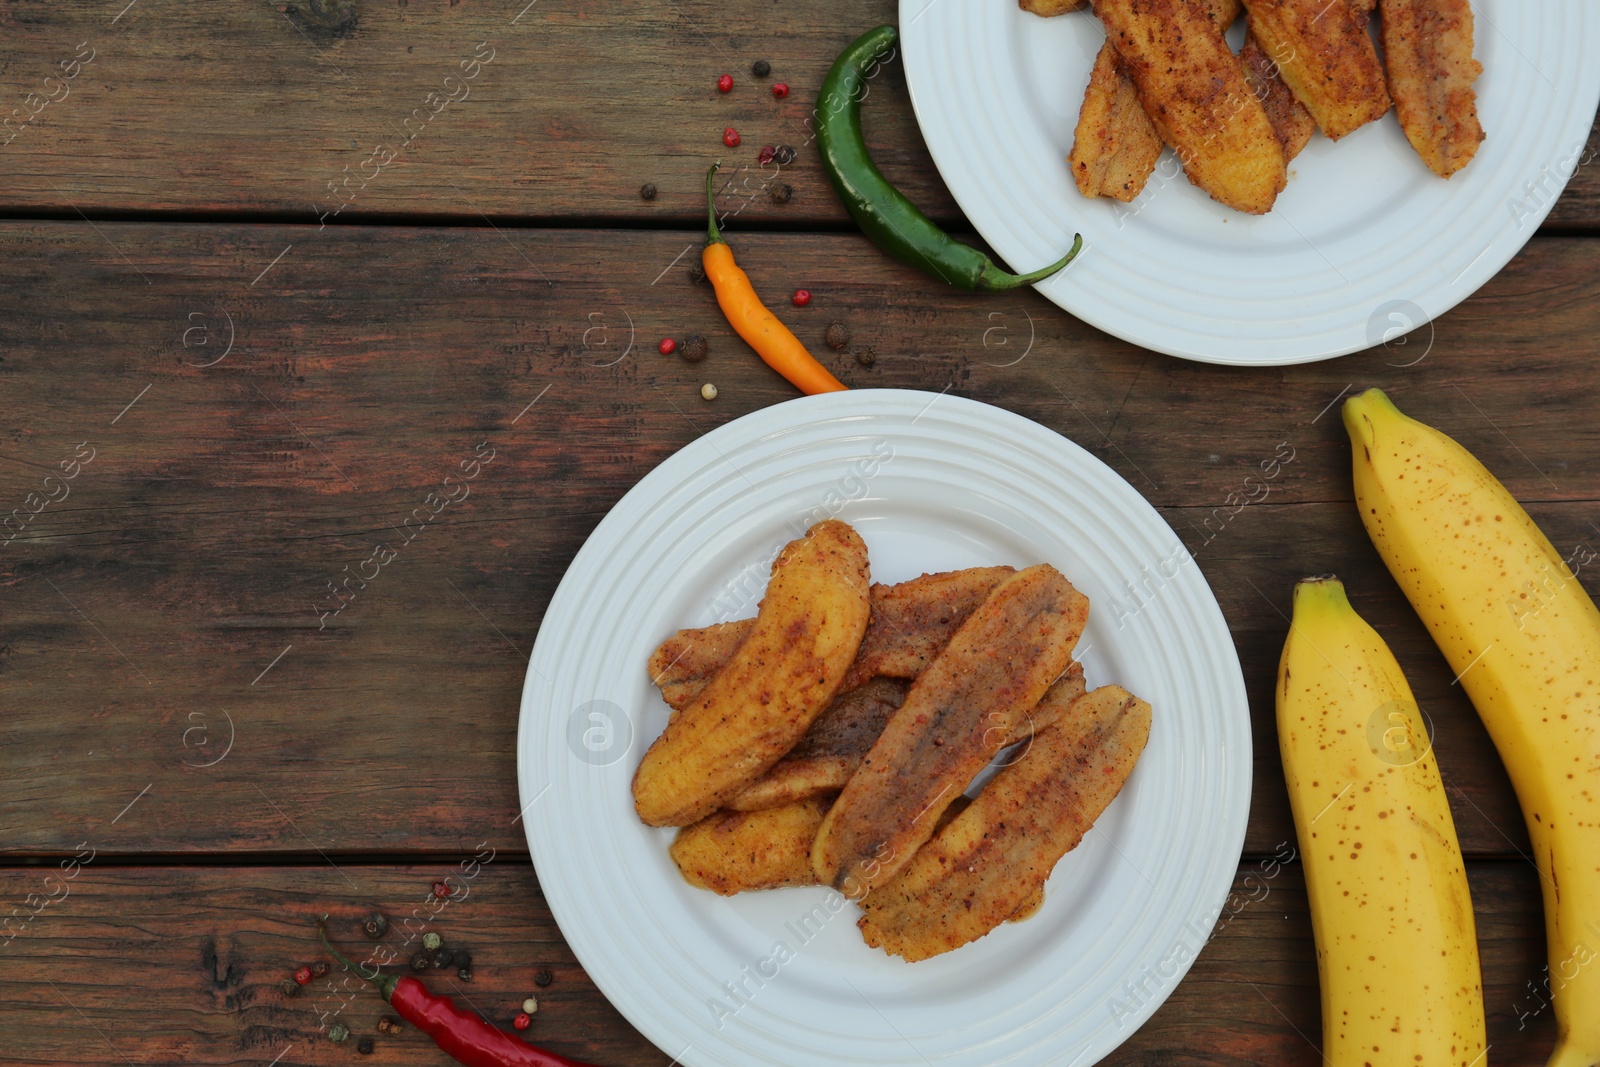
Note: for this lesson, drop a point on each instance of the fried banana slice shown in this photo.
(911, 622)
(831, 750)
(1115, 146)
(1427, 47)
(990, 862)
(1195, 93)
(960, 712)
(733, 851)
(1290, 120)
(1046, 8)
(806, 634)
(1324, 55)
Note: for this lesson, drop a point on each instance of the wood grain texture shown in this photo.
(173, 600)
(191, 108)
(205, 949)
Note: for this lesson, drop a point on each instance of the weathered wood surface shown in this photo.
(266, 108)
(172, 601)
(182, 965)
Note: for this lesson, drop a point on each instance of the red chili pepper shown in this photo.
(466, 1037)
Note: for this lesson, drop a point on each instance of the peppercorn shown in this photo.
(708, 392)
(766, 154)
(780, 90)
(667, 346)
(801, 298)
(647, 191)
(761, 68)
(364, 1046)
(441, 890)
(419, 962)
(543, 978)
(730, 137)
(463, 958)
(697, 274)
(695, 348)
(784, 154)
(725, 84)
(375, 925)
(465, 974)
(290, 987)
(522, 1021)
(444, 959)
(303, 975)
(388, 1025)
(431, 941)
(781, 193)
(338, 1032)
(530, 1005)
(838, 335)
(866, 357)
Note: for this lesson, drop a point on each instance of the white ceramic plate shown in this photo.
(932, 482)
(1365, 244)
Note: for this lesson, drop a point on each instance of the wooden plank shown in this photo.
(173, 600)
(205, 948)
(266, 110)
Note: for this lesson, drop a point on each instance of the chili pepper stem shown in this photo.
(996, 280)
(384, 983)
(713, 234)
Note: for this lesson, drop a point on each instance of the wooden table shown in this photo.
(259, 384)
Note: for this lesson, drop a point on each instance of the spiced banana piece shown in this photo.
(806, 634)
(962, 709)
(990, 863)
(1324, 55)
(731, 852)
(1427, 48)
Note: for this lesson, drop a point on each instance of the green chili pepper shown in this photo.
(883, 213)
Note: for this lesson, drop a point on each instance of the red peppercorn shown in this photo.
(766, 154)
(522, 1021)
(780, 89)
(441, 890)
(668, 346)
(802, 297)
(730, 137)
(303, 975)
(725, 83)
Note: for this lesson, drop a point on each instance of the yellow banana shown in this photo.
(1524, 639)
(1397, 949)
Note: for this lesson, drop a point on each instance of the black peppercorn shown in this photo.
(838, 335)
(784, 155)
(364, 1046)
(463, 958)
(375, 925)
(761, 68)
(319, 969)
(695, 348)
(290, 987)
(866, 357)
(781, 193)
(444, 958)
(697, 274)
(465, 974)
(543, 978)
(647, 191)
(419, 962)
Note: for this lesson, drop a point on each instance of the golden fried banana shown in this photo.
(1046, 8)
(962, 709)
(988, 865)
(806, 634)
(1290, 120)
(1324, 55)
(1427, 47)
(1195, 93)
(911, 622)
(831, 750)
(732, 851)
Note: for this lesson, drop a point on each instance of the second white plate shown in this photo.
(782, 977)
(1364, 245)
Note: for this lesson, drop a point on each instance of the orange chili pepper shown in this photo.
(779, 348)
